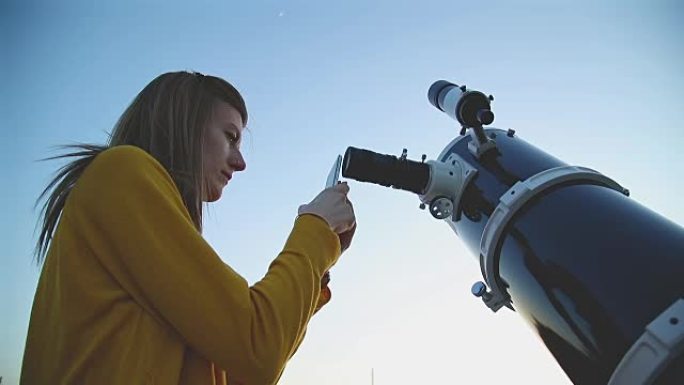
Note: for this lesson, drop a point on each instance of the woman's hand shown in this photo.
(333, 206)
(346, 238)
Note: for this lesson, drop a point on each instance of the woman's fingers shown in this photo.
(333, 205)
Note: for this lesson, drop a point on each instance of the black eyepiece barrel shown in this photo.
(385, 170)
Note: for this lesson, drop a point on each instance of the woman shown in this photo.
(131, 293)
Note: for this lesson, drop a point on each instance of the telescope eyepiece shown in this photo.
(485, 117)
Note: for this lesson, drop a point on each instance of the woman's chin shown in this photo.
(213, 195)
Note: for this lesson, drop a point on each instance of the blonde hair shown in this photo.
(167, 119)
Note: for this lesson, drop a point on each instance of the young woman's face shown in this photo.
(222, 155)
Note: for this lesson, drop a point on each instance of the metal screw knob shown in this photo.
(479, 289)
(441, 208)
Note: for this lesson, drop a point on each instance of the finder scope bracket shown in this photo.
(471, 108)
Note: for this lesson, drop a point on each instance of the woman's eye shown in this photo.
(231, 137)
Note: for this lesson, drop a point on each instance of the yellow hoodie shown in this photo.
(130, 292)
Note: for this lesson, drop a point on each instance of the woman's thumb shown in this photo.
(342, 187)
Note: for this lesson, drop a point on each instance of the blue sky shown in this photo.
(596, 84)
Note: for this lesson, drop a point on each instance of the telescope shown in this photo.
(598, 276)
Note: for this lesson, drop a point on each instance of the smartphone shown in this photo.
(334, 175)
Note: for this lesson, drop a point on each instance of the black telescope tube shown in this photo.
(385, 170)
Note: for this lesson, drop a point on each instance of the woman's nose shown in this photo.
(237, 162)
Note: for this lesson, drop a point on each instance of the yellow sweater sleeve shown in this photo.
(132, 217)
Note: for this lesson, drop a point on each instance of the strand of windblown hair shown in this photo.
(57, 191)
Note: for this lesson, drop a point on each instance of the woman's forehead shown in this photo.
(226, 114)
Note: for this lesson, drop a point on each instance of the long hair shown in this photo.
(167, 119)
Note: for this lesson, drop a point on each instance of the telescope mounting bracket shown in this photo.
(448, 181)
(509, 204)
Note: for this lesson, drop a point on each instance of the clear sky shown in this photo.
(593, 83)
